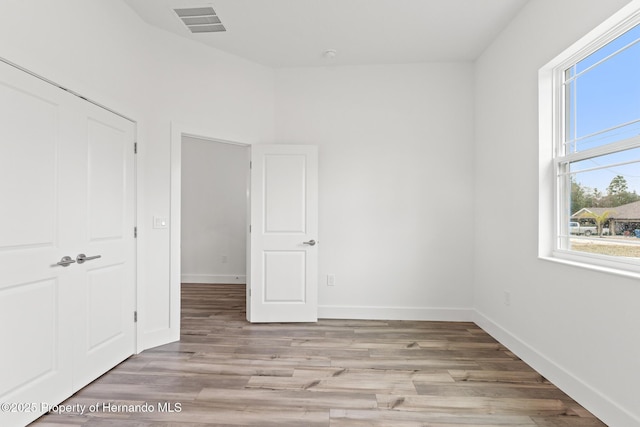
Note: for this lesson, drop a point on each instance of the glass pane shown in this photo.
(609, 167)
(611, 47)
(605, 204)
(603, 104)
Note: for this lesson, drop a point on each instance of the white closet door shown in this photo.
(55, 202)
(106, 293)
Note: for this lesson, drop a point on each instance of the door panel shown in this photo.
(288, 270)
(27, 221)
(36, 339)
(105, 294)
(283, 269)
(284, 193)
(106, 178)
(106, 334)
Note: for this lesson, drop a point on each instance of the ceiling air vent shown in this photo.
(200, 19)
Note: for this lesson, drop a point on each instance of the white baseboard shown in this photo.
(395, 313)
(240, 279)
(594, 401)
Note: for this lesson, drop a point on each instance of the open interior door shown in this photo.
(283, 279)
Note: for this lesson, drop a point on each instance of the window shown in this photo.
(594, 102)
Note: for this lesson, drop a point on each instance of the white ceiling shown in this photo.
(295, 33)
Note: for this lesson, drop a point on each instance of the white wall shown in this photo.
(579, 328)
(103, 50)
(214, 211)
(396, 184)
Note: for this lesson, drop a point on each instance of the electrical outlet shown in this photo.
(507, 298)
(331, 280)
(223, 259)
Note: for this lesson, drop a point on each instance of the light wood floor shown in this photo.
(225, 371)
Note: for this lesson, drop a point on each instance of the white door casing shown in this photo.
(67, 188)
(284, 233)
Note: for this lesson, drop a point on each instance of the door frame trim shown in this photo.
(178, 131)
(66, 89)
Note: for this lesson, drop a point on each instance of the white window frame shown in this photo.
(553, 198)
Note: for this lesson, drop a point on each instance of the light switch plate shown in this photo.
(160, 222)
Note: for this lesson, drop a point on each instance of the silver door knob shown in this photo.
(310, 243)
(66, 261)
(81, 258)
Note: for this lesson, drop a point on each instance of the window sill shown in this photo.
(618, 268)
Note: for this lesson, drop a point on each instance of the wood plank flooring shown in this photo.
(339, 373)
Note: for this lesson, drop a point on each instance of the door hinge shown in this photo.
(249, 292)
(249, 228)
(135, 148)
(135, 317)
(250, 165)
(135, 232)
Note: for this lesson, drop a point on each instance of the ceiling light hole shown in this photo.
(330, 53)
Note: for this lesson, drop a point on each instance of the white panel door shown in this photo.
(35, 294)
(54, 203)
(284, 232)
(105, 335)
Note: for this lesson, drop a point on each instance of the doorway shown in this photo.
(209, 212)
(214, 212)
(282, 210)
